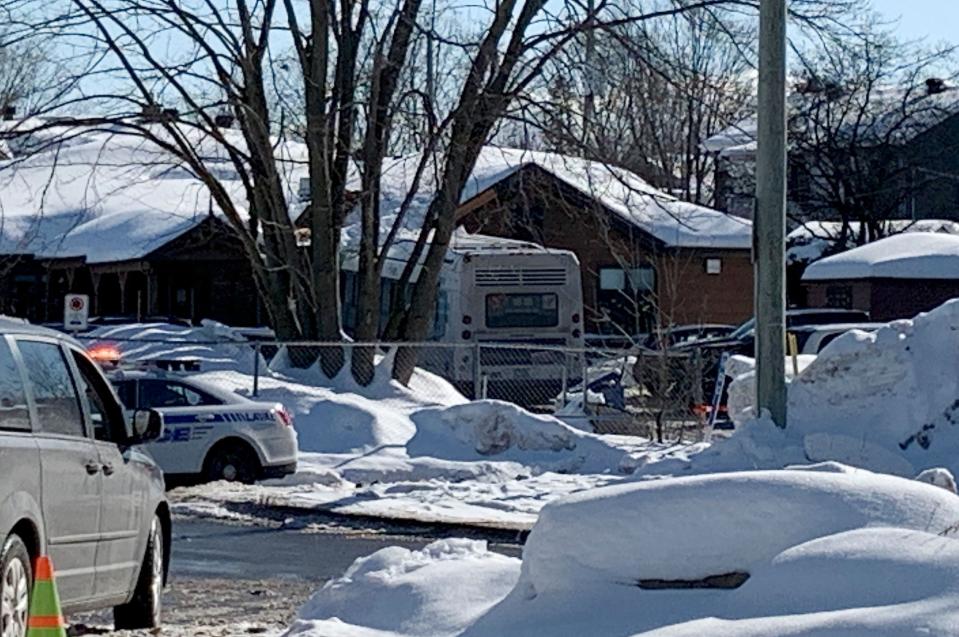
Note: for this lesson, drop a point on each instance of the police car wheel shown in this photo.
(143, 611)
(233, 463)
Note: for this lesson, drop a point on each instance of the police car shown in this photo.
(210, 433)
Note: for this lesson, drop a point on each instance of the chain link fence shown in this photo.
(657, 394)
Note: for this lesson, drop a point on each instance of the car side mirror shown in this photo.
(147, 426)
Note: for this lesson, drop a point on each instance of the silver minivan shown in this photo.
(75, 485)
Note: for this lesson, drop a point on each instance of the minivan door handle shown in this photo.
(107, 469)
(92, 468)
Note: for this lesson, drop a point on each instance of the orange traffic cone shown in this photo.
(45, 619)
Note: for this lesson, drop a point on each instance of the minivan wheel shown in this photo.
(143, 611)
(16, 577)
(233, 463)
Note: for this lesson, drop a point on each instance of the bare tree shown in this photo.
(871, 131)
(246, 84)
(662, 87)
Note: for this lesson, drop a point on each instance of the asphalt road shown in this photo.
(205, 549)
(230, 579)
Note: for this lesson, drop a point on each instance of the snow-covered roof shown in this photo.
(106, 196)
(812, 240)
(674, 222)
(916, 255)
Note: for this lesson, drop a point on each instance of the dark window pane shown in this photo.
(105, 414)
(58, 407)
(160, 393)
(126, 390)
(13, 401)
(522, 310)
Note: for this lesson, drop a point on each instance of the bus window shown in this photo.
(522, 310)
(441, 315)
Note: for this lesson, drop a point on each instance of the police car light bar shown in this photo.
(105, 354)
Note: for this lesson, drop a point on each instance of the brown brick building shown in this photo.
(893, 278)
(199, 274)
(646, 259)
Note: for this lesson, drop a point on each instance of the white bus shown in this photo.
(516, 304)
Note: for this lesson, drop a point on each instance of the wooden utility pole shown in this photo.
(770, 219)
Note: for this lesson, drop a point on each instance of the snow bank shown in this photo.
(829, 551)
(421, 452)
(715, 524)
(886, 401)
(489, 429)
(398, 591)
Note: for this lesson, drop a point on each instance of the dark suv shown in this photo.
(74, 485)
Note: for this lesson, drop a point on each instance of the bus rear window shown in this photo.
(522, 310)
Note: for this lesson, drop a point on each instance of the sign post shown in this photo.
(76, 311)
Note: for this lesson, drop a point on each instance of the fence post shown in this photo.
(477, 370)
(565, 377)
(698, 397)
(256, 369)
(585, 365)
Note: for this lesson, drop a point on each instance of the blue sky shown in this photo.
(923, 19)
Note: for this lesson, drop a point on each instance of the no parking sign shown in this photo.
(76, 311)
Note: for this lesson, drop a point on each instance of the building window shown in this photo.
(612, 279)
(714, 266)
(625, 299)
(839, 296)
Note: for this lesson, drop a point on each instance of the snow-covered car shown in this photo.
(812, 339)
(210, 433)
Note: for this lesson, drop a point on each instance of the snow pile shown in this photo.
(490, 429)
(715, 524)
(886, 401)
(827, 551)
(417, 592)
(420, 452)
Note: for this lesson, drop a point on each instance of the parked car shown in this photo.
(76, 485)
(211, 433)
(686, 334)
(741, 340)
(812, 339)
(614, 341)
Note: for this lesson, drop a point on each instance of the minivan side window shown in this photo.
(105, 414)
(58, 408)
(14, 413)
